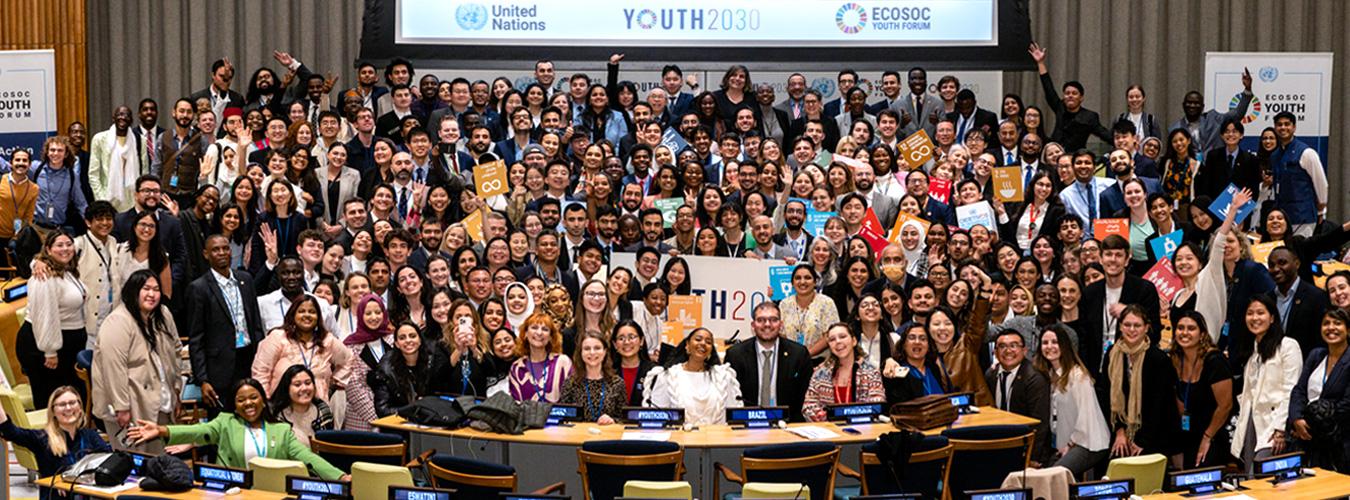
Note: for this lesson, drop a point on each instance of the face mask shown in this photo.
(893, 272)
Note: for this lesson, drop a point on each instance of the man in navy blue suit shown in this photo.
(672, 81)
(1122, 169)
(847, 80)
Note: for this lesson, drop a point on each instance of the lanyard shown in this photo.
(107, 268)
(464, 371)
(283, 230)
(540, 381)
(313, 351)
(600, 405)
(259, 445)
(15, 199)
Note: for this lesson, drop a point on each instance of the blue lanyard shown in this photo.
(465, 370)
(539, 380)
(306, 359)
(260, 449)
(591, 414)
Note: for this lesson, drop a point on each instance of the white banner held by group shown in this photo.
(1298, 82)
(731, 288)
(27, 99)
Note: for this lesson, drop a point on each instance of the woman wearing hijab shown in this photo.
(519, 305)
(371, 341)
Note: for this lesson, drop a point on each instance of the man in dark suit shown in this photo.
(969, 116)
(223, 325)
(1104, 300)
(847, 80)
(653, 228)
(934, 210)
(431, 234)
(547, 264)
(673, 81)
(219, 92)
(1112, 200)
(1300, 302)
(1021, 389)
(170, 229)
(513, 149)
(1074, 124)
(1228, 165)
(147, 134)
(771, 362)
(1124, 136)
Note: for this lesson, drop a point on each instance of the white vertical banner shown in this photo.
(1298, 82)
(27, 99)
(730, 287)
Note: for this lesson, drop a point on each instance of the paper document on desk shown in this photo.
(109, 490)
(647, 436)
(813, 432)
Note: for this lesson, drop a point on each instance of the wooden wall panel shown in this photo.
(58, 25)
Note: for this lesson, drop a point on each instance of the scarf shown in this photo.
(1124, 408)
(515, 320)
(364, 334)
(562, 319)
(123, 168)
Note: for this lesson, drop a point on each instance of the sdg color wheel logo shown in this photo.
(1253, 111)
(471, 16)
(851, 18)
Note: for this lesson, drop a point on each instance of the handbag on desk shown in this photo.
(99, 469)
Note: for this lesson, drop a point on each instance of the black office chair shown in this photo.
(809, 463)
(342, 448)
(982, 456)
(926, 471)
(479, 480)
(605, 466)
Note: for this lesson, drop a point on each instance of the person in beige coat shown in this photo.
(136, 369)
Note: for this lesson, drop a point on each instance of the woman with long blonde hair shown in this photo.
(65, 439)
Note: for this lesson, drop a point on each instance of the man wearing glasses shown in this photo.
(772, 370)
(1020, 389)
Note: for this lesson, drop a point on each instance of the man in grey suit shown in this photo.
(761, 229)
(924, 109)
(1204, 126)
(886, 207)
(795, 104)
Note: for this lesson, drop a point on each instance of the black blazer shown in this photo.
(1333, 389)
(393, 385)
(1029, 396)
(1304, 323)
(793, 377)
(984, 119)
(1215, 173)
(170, 237)
(645, 365)
(798, 128)
(1135, 290)
(210, 329)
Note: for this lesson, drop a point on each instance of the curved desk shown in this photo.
(544, 456)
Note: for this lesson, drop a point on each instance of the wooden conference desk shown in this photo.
(1326, 484)
(192, 494)
(544, 456)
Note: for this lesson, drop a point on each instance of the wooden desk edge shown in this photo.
(192, 494)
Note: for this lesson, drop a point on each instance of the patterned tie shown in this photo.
(402, 203)
(766, 379)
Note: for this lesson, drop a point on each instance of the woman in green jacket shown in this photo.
(252, 431)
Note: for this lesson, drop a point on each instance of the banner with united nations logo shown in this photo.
(27, 99)
(752, 23)
(1297, 82)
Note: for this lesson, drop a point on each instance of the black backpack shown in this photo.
(436, 411)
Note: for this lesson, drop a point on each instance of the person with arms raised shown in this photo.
(66, 438)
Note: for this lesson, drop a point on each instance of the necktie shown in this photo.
(918, 107)
(1027, 174)
(1091, 200)
(419, 175)
(766, 379)
(1003, 390)
(796, 110)
(403, 203)
(1232, 162)
(149, 149)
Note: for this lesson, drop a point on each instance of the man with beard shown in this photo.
(794, 105)
(480, 145)
(513, 149)
(1124, 136)
(653, 227)
(79, 135)
(113, 160)
(196, 225)
(630, 200)
(401, 167)
(265, 90)
(792, 235)
(686, 222)
(431, 233)
(146, 134)
(607, 229)
(366, 91)
(174, 139)
(398, 72)
(429, 102)
(1029, 148)
(360, 150)
(1122, 168)
(761, 228)
(885, 206)
(148, 195)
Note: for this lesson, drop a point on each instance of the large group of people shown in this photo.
(327, 258)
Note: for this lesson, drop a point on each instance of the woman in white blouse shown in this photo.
(1078, 427)
(702, 385)
(1268, 380)
(55, 329)
(1031, 221)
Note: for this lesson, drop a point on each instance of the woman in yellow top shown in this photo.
(252, 431)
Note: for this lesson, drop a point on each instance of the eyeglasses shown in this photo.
(148, 191)
(67, 404)
(1008, 347)
(595, 295)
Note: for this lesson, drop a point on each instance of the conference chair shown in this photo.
(23, 391)
(983, 455)
(1146, 470)
(373, 480)
(809, 464)
(24, 419)
(269, 474)
(342, 448)
(926, 471)
(479, 480)
(604, 466)
(84, 361)
(664, 490)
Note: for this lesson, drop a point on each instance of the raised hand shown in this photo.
(1037, 52)
(283, 57)
(328, 82)
(615, 58)
(1246, 79)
